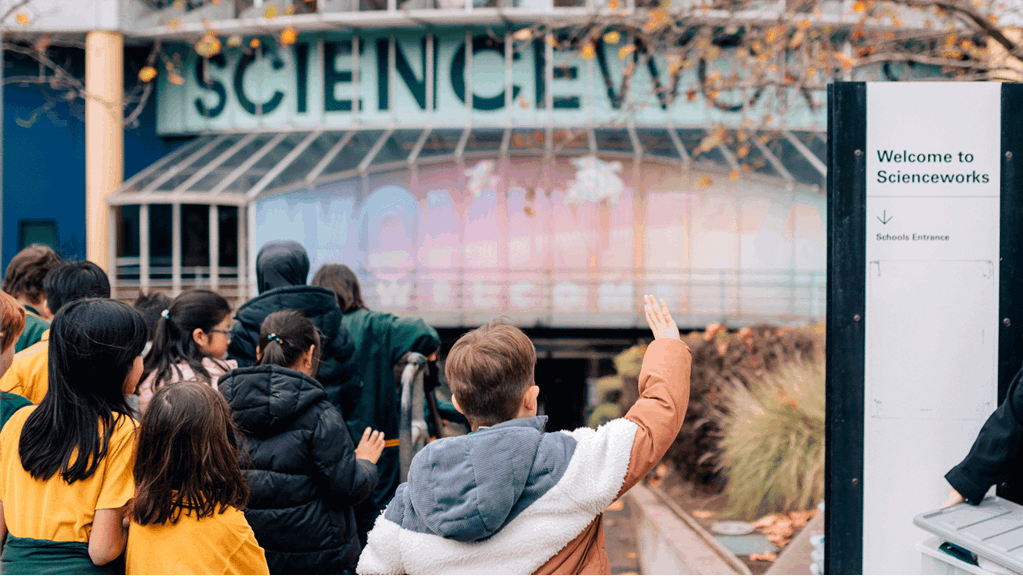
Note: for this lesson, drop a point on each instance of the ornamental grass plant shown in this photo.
(772, 441)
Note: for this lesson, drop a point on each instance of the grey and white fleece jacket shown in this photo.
(501, 500)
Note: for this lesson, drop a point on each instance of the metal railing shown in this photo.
(413, 433)
(597, 298)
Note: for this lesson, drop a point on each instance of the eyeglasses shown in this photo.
(226, 333)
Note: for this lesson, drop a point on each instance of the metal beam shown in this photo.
(175, 169)
(284, 163)
(364, 165)
(170, 157)
(418, 147)
(329, 157)
(774, 161)
(214, 247)
(680, 147)
(248, 164)
(202, 172)
(144, 247)
(637, 148)
(806, 152)
(462, 141)
(733, 162)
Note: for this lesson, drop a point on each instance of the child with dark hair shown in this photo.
(304, 473)
(151, 306)
(510, 498)
(68, 282)
(65, 465)
(381, 340)
(191, 341)
(187, 517)
(24, 281)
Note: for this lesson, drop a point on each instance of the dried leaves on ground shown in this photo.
(779, 528)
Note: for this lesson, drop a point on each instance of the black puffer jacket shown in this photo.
(301, 466)
(338, 372)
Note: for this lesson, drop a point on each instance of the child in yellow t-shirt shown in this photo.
(65, 465)
(186, 517)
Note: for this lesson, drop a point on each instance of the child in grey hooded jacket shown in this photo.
(509, 498)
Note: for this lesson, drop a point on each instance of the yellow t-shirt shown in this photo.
(28, 375)
(53, 509)
(218, 544)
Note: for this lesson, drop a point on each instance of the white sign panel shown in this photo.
(933, 193)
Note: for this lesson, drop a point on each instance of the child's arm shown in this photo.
(663, 394)
(995, 453)
(348, 479)
(108, 537)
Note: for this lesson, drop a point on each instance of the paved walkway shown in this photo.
(620, 538)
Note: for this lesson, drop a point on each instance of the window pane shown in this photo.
(228, 237)
(251, 177)
(210, 181)
(306, 161)
(195, 238)
(200, 163)
(160, 241)
(353, 152)
(614, 141)
(440, 143)
(128, 231)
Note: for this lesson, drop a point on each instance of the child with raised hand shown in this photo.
(190, 343)
(509, 498)
(186, 517)
(304, 473)
(65, 465)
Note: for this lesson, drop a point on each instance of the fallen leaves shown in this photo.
(779, 528)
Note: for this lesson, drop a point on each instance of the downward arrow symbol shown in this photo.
(886, 219)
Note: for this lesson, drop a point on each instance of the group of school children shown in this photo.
(173, 438)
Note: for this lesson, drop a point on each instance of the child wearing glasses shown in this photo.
(191, 341)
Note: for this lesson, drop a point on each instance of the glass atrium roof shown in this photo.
(235, 168)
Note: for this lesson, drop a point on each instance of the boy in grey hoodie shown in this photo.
(509, 498)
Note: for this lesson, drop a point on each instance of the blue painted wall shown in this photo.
(44, 163)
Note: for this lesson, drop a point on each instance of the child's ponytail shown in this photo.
(284, 337)
(174, 344)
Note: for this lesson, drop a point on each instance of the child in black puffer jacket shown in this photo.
(302, 467)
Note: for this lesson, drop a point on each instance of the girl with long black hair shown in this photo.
(191, 341)
(65, 465)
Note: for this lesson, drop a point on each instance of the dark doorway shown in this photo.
(562, 385)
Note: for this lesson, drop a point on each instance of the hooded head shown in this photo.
(281, 263)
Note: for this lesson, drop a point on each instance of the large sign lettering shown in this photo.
(420, 79)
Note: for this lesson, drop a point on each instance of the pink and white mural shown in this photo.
(458, 248)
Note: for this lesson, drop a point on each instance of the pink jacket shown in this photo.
(183, 372)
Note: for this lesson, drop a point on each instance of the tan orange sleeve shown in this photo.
(663, 399)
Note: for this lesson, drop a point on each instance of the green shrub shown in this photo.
(772, 441)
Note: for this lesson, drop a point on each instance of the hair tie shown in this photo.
(274, 337)
(165, 314)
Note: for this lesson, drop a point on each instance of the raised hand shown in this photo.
(659, 319)
(371, 445)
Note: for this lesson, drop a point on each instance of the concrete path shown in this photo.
(620, 538)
